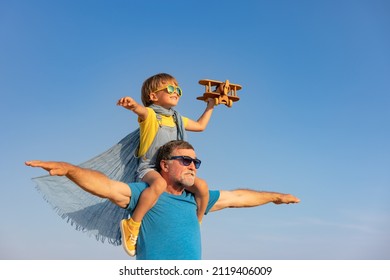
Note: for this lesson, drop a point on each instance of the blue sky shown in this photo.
(313, 118)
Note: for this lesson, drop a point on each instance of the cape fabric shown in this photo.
(94, 215)
(97, 216)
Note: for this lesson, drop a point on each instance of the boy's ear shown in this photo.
(153, 96)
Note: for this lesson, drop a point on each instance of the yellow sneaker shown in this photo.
(129, 231)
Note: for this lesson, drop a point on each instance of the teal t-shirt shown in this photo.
(170, 230)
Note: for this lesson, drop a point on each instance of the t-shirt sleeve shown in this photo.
(214, 196)
(136, 190)
(148, 130)
(185, 121)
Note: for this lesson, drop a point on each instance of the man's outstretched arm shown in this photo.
(251, 198)
(91, 181)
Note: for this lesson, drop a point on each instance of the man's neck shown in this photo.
(175, 190)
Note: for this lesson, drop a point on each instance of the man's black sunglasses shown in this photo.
(186, 161)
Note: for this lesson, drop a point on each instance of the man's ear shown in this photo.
(164, 165)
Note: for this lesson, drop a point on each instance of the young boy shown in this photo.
(159, 124)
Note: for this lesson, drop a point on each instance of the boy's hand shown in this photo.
(127, 102)
(130, 104)
(210, 103)
(219, 88)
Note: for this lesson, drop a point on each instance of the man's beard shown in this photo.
(186, 180)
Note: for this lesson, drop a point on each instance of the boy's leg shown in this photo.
(201, 192)
(149, 196)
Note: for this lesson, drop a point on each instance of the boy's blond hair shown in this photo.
(153, 83)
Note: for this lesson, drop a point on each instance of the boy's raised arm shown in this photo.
(202, 122)
(130, 104)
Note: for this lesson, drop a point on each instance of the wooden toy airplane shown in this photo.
(227, 96)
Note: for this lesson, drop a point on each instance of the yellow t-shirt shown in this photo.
(149, 128)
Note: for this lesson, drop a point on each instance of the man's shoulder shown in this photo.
(213, 198)
(137, 187)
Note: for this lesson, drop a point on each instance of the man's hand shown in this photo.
(286, 199)
(54, 168)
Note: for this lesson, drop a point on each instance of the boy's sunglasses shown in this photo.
(171, 89)
(186, 161)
